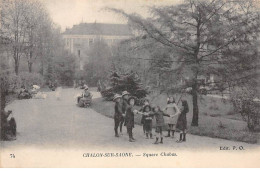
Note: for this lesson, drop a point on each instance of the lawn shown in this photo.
(217, 118)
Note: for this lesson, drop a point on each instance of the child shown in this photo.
(129, 118)
(125, 104)
(173, 110)
(182, 121)
(146, 102)
(148, 118)
(159, 122)
(118, 117)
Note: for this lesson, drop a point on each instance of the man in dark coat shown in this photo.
(118, 117)
(129, 118)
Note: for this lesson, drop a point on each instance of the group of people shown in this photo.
(24, 93)
(32, 92)
(172, 116)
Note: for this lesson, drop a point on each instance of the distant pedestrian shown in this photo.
(118, 117)
(172, 110)
(182, 121)
(58, 93)
(129, 118)
(159, 117)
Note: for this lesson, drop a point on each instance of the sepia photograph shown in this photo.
(130, 83)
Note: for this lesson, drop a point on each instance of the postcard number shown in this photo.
(12, 156)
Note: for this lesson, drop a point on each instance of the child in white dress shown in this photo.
(172, 110)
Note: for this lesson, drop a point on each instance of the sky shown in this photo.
(67, 13)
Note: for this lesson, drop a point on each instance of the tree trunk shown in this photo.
(30, 62)
(2, 94)
(16, 67)
(195, 118)
(42, 66)
(16, 62)
(30, 67)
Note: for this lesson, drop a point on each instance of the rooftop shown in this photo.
(99, 29)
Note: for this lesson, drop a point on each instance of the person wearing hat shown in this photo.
(129, 118)
(85, 94)
(118, 117)
(125, 96)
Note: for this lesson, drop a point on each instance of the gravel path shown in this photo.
(51, 124)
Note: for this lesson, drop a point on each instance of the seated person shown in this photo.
(8, 128)
(85, 94)
(23, 90)
(24, 93)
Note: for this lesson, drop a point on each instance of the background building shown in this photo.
(80, 37)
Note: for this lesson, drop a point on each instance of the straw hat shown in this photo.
(125, 93)
(116, 97)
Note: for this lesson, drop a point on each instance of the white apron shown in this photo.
(172, 110)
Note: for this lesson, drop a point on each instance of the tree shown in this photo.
(27, 25)
(99, 55)
(13, 27)
(36, 20)
(200, 33)
(120, 82)
(247, 104)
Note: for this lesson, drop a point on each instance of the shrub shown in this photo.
(214, 107)
(244, 102)
(130, 82)
(28, 79)
(15, 82)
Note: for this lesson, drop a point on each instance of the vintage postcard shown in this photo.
(129, 83)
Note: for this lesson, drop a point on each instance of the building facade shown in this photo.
(80, 37)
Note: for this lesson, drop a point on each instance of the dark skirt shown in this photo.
(182, 122)
(148, 125)
(129, 123)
